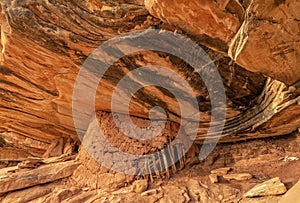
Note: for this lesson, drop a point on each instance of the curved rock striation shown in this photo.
(45, 43)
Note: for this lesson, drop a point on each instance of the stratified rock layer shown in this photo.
(273, 45)
(45, 43)
(263, 35)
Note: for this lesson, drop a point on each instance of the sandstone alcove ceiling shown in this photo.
(254, 45)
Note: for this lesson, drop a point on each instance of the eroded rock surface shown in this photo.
(270, 187)
(262, 158)
(45, 43)
(43, 46)
(261, 36)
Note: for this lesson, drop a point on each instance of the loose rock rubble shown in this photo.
(221, 171)
(213, 178)
(140, 186)
(79, 178)
(271, 187)
(237, 176)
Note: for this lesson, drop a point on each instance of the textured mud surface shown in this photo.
(263, 159)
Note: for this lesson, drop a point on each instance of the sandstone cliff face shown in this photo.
(273, 44)
(210, 21)
(44, 44)
(261, 36)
